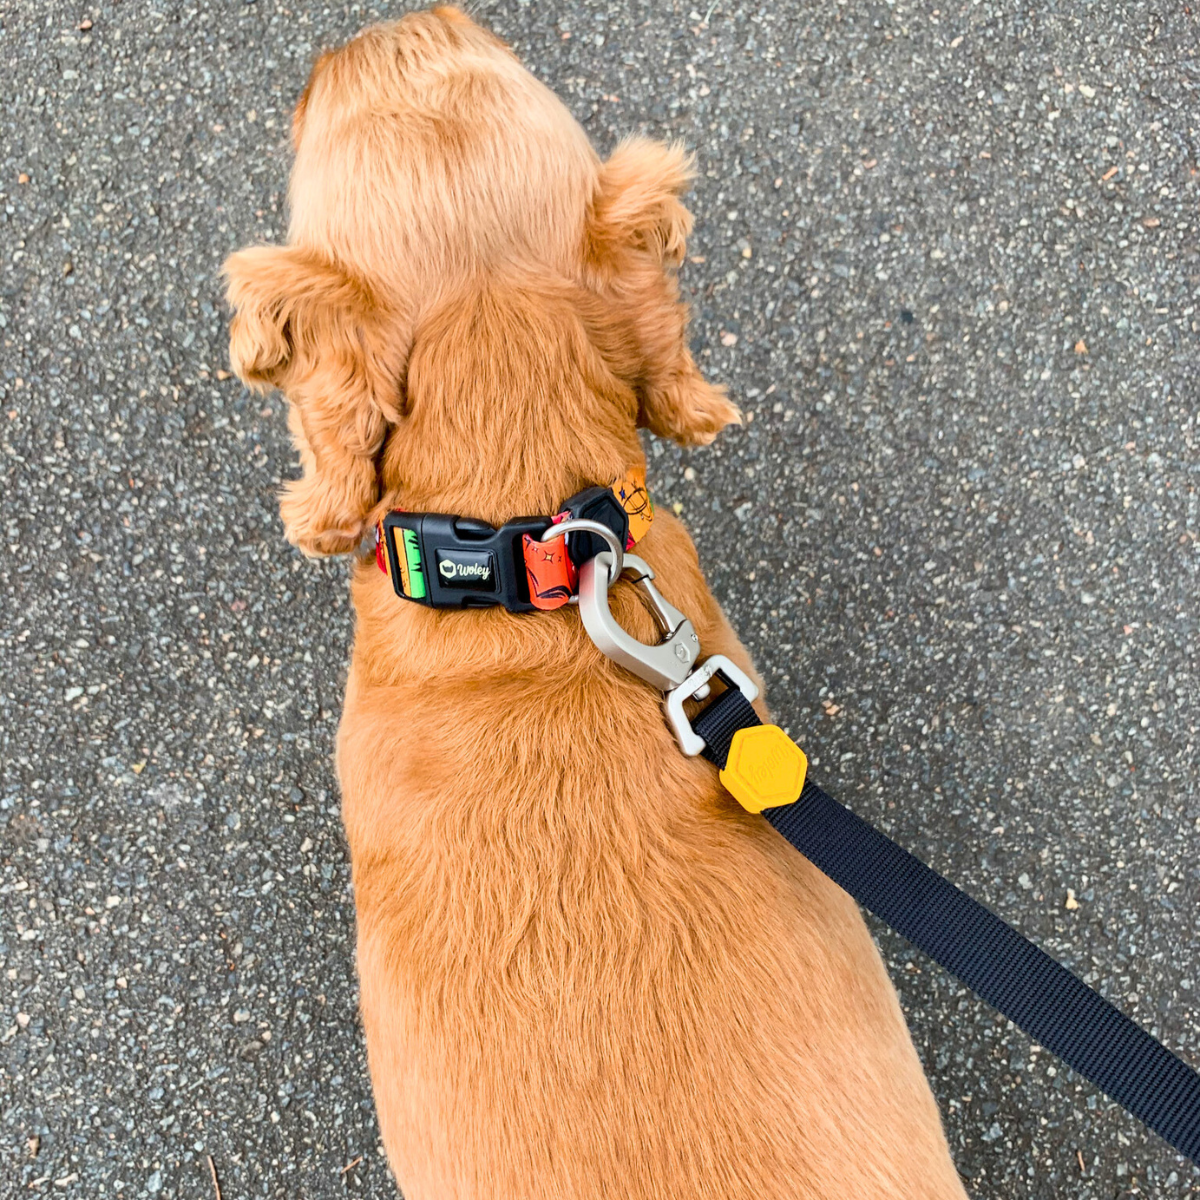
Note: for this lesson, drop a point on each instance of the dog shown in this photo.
(585, 971)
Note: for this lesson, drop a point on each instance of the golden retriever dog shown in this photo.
(585, 971)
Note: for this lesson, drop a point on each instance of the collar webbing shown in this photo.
(444, 561)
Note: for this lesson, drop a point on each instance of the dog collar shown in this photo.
(445, 561)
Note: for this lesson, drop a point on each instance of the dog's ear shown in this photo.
(304, 325)
(636, 204)
(637, 230)
(258, 281)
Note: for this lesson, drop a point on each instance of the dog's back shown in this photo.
(585, 971)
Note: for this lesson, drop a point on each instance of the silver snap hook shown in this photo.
(666, 664)
(670, 665)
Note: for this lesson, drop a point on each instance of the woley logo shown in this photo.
(466, 569)
(453, 570)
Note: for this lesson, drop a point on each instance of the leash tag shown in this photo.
(765, 768)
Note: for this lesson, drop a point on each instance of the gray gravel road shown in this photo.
(948, 262)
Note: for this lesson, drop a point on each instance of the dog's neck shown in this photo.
(510, 407)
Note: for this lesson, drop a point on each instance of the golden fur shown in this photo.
(585, 971)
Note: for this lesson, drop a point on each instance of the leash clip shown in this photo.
(670, 665)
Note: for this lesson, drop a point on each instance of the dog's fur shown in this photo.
(586, 972)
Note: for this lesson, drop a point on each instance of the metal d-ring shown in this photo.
(584, 525)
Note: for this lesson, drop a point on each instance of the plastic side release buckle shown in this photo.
(443, 561)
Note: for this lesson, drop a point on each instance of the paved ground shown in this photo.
(948, 262)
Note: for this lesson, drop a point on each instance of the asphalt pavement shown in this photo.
(946, 259)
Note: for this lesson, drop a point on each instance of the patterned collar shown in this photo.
(445, 561)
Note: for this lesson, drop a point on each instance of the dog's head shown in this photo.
(457, 252)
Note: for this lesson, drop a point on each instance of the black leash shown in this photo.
(1014, 976)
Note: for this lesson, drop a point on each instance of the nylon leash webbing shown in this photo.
(1014, 976)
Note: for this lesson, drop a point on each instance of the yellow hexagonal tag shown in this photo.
(765, 768)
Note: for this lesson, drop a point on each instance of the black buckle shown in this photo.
(443, 561)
